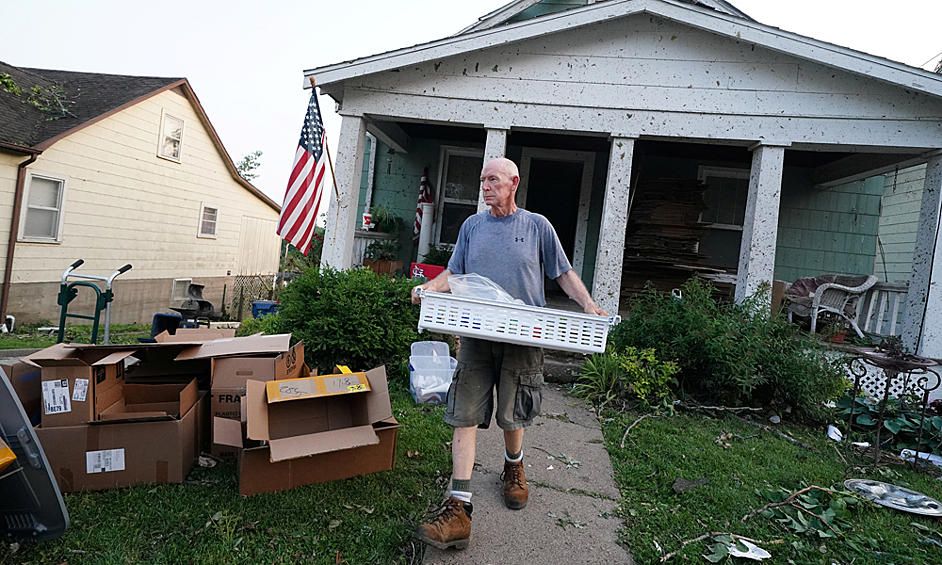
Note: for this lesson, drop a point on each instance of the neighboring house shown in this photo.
(114, 170)
(661, 137)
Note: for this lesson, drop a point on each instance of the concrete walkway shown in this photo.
(570, 514)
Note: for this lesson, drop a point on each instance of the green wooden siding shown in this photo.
(826, 231)
(902, 198)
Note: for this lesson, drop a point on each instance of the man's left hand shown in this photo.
(595, 310)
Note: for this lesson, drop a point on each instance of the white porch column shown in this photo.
(341, 218)
(922, 327)
(610, 255)
(496, 147)
(760, 225)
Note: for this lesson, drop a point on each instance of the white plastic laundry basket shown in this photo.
(514, 323)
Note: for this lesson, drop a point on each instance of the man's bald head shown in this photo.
(504, 165)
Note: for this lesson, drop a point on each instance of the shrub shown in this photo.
(731, 352)
(355, 318)
(633, 374)
(438, 255)
(270, 324)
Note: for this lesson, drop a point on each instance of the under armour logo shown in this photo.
(520, 239)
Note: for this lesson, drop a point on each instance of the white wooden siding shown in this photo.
(902, 198)
(8, 166)
(654, 77)
(126, 205)
(255, 252)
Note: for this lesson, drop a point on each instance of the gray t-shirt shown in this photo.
(514, 252)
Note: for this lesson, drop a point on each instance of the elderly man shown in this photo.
(513, 248)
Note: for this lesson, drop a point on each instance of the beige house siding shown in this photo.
(124, 204)
(8, 166)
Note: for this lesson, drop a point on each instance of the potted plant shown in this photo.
(381, 257)
(385, 220)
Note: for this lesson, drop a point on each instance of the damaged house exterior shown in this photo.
(662, 138)
(116, 169)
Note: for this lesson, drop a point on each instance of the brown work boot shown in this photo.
(515, 485)
(451, 528)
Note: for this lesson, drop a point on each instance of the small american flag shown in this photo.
(425, 195)
(306, 183)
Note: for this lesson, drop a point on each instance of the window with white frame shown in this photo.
(725, 197)
(209, 219)
(180, 287)
(460, 184)
(170, 145)
(44, 203)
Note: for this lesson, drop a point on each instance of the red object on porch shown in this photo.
(427, 271)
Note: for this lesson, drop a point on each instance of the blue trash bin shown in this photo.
(262, 308)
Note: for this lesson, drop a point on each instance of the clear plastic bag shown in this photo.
(473, 285)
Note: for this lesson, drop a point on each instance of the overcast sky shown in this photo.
(245, 59)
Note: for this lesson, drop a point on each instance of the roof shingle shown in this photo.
(74, 98)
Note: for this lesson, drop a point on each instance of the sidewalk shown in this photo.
(569, 517)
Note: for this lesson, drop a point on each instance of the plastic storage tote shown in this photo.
(430, 371)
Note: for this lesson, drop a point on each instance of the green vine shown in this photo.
(8, 84)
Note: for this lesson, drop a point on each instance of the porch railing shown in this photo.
(881, 308)
(362, 239)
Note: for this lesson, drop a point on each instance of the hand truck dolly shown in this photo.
(68, 292)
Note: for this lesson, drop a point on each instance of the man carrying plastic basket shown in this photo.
(514, 248)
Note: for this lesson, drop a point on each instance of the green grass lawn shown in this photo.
(29, 337)
(367, 519)
(739, 459)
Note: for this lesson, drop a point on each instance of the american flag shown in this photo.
(306, 183)
(425, 195)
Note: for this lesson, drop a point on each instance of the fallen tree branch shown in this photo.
(633, 425)
(778, 433)
(785, 502)
(710, 535)
(733, 409)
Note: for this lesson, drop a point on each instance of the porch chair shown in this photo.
(810, 297)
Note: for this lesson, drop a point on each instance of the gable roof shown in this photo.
(70, 101)
(517, 7)
(330, 77)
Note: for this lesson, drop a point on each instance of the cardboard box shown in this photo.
(78, 384)
(194, 335)
(106, 455)
(27, 384)
(229, 375)
(311, 439)
(152, 402)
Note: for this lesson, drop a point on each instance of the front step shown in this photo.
(561, 367)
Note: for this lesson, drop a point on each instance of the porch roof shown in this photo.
(330, 77)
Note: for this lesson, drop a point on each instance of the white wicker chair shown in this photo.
(837, 294)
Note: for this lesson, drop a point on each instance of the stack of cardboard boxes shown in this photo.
(112, 416)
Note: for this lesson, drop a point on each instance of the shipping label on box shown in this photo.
(104, 461)
(312, 387)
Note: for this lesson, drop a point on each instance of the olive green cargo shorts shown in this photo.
(516, 371)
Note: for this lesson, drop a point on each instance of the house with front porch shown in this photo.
(662, 138)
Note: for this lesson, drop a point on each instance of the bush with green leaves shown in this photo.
(732, 353)
(629, 375)
(438, 255)
(355, 318)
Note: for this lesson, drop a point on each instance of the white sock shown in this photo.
(517, 460)
(461, 495)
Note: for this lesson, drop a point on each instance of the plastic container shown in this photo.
(514, 323)
(430, 372)
(263, 308)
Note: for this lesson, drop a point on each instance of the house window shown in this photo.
(460, 186)
(725, 197)
(209, 217)
(180, 287)
(42, 215)
(170, 145)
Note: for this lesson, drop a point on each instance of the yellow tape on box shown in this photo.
(312, 387)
